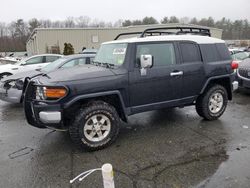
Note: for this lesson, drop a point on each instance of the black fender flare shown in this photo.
(124, 110)
(217, 78)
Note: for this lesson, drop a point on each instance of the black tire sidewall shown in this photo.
(83, 117)
(211, 91)
(109, 136)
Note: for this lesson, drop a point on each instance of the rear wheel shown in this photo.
(95, 126)
(212, 104)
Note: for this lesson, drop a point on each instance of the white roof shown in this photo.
(194, 38)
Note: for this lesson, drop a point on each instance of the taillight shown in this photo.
(234, 65)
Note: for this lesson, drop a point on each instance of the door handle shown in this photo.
(180, 73)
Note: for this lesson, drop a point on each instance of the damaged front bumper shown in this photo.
(12, 95)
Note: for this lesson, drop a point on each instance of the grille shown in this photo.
(244, 72)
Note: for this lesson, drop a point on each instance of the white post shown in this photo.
(108, 176)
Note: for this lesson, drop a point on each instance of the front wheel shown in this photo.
(95, 126)
(212, 104)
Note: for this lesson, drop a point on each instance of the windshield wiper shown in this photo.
(107, 65)
(96, 63)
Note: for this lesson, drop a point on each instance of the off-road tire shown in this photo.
(76, 129)
(202, 103)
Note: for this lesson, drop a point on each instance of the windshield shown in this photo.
(52, 66)
(112, 53)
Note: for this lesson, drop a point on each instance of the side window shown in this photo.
(34, 60)
(190, 52)
(210, 52)
(163, 53)
(74, 62)
(91, 59)
(70, 63)
(51, 58)
(81, 61)
(223, 51)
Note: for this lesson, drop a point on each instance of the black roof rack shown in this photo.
(122, 34)
(178, 31)
(182, 30)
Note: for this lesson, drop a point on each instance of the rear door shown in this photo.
(193, 70)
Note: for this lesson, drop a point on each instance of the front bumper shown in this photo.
(12, 95)
(243, 82)
(41, 114)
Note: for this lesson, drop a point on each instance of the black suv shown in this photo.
(162, 68)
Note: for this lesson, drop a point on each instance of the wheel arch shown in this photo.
(113, 98)
(224, 81)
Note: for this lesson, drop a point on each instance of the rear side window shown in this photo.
(163, 53)
(51, 58)
(190, 52)
(210, 52)
(35, 60)
(223, 51)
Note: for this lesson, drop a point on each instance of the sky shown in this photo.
(113, 10)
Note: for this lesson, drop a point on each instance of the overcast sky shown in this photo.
(112, 10)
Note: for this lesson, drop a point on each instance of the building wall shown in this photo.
(43, 39)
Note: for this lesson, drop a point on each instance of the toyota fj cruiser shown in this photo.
(162, 68)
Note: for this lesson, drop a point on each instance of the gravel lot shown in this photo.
(166, 148)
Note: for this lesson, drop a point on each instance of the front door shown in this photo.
(159, 84)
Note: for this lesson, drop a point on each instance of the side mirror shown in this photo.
(146, 61)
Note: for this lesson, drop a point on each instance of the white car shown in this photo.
(31, 63)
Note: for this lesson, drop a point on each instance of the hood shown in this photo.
(245, 63)
(76, 73)
(6, 66)
(22, 75)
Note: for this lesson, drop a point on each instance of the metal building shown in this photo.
(51, 40)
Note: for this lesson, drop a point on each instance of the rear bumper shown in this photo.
(12, 95)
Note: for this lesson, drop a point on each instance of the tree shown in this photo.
(173, 19)
(70, 23)
(193, 21)
(137, 22)
(149, 21)
(68, 49)
(126, 23)
(165, 20)
(33, 24)
(83, 21)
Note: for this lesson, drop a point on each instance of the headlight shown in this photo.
(50, 93)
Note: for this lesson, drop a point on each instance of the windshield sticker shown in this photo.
(120, 61)
(119, 51)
